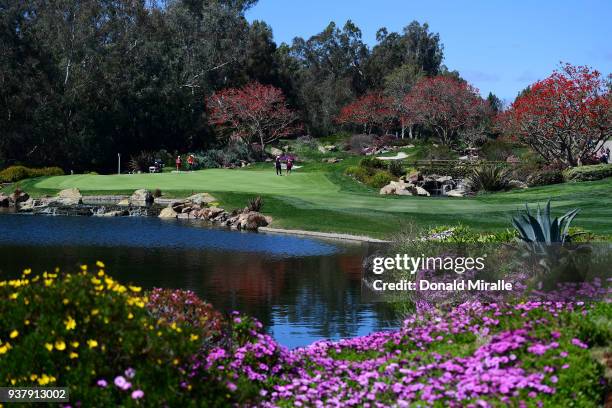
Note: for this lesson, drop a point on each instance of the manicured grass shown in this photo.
(319, 197)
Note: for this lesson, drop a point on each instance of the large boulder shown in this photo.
(517, 184)
(276, 152)
(211, 212)
(456, 193)
(19, 197)
(70, 196)
(4, 200)
(201, 198)
(419, 191)
(141, 196)
(251, 221)
(168, 212)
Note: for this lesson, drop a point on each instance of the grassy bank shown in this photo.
(318, 197)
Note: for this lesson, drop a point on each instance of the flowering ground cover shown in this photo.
(113, 345)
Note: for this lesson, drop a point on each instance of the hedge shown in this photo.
(16, 173)
(588, 173)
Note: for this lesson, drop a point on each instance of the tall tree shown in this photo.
(330, 74)
(445, 105)
(564, 117)
(253, 112)
(415, 46)
(369, 111)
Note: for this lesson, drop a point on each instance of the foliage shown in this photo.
(379, 179)
(157, 193)
(445, 105)
(357, 143)
(490, 178)
(139, 163)
(463, 234)
(358, 172)
(83, 81)
(541, 228)
(16, 173)
(116, 347)
(369, 111)
(563, 117)
(83, 329)
(254, 112)
(396, 168)
(371, 162)
(588, 173)
(255, 204)
(496, 149)
(185, 307)
(545, 177)
(231, 155)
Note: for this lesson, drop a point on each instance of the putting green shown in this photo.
(315, 191)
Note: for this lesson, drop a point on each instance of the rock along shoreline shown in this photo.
(200, 206)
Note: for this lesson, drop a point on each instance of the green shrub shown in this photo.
(588, 173)
(490, 178)
(462, 234)
(379, 179)
(545, 177)
(358, 172)
(496, 150)
(78, 329)
(16, 173)
(372, 163)
(396, 168)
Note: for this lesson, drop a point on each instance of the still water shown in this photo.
(302, 289)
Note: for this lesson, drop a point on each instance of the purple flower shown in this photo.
(122, 383)
(577, 342)
(231, 386)
(137, 394)
(130, 373)
(102, 383)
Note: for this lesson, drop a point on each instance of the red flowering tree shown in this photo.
(253, 112)
(370, 111)
(445, 105)
(563, 117)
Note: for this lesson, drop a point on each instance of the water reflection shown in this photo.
(302, 289)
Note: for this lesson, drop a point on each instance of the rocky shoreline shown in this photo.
(141, 203)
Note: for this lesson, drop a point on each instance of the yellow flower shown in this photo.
(135, 288)
(14, 295)
(95, 312)
(100, 264)
(130, 316)
(14, 334)
(26, 322)
(100, 273)
(44, 379)
(49, 346)
(4, 348)
(70, 323)
(27, 271)
(65, 301)
(193, 337)
(92, 343)
(75, 344)
(73, 355)
(60, 345)
(83, 268)
(33, 377)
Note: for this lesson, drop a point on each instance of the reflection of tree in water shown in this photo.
(320, 293)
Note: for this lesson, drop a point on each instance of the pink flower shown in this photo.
(102, 383)
(130, 373)
(231, 386)
(577, 342)
(137, 394)
(122, 383)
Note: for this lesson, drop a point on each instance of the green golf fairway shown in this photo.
(315, 200)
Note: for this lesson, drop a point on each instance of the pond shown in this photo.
(302, 289)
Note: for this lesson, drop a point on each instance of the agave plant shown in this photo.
(255, 204)
(541, 228)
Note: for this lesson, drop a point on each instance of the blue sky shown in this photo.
(499, 46)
